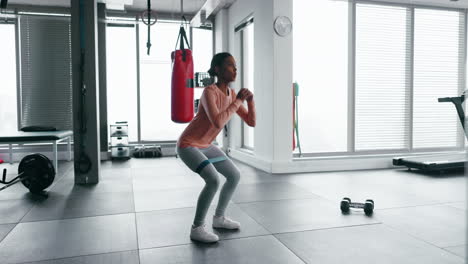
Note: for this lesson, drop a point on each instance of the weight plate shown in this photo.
(368, 208)
(344, 206)
(38, 172)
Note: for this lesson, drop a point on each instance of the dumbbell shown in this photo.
(346, 203)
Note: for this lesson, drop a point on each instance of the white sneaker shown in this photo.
(224, 222)
(199, 233)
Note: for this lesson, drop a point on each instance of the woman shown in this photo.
(217, 104)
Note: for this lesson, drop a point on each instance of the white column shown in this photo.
(282, 89)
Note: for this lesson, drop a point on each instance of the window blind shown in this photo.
(438, 72)
(46, 83)
(382, 77)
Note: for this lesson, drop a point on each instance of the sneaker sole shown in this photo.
(206, 242)
(222, 227)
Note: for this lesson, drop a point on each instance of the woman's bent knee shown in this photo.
(234, 177)
(212, 183)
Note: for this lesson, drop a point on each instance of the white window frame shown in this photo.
(352, 88)
(240, 30)
(138, 25)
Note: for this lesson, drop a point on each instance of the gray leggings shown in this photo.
(196, 160)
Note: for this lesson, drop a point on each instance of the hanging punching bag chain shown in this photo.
(182, 8)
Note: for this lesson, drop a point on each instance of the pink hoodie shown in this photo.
(214, 112)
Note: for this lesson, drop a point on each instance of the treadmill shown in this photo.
(439, 162)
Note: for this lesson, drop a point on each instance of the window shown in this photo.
(202, 52)
(320, 65)
(202, 48)
(155, 83)
(8, 90)
(121, 77)
(402, 58)
(153, 97)
(438, 67)
(382, 77)
(247, 75)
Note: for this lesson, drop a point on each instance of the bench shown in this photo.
(54, 137)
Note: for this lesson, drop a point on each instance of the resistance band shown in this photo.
(208, 161)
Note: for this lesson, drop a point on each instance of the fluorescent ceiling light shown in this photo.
(115, 6)
(118, 4)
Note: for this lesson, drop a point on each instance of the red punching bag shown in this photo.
(182, 107)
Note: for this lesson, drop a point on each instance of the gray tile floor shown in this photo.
(141, 212)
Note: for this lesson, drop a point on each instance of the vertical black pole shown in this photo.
(85, 84)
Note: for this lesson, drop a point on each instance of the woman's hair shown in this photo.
(217, 61)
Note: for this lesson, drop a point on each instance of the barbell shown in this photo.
(35, 172)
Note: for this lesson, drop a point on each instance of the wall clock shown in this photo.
(282, 26)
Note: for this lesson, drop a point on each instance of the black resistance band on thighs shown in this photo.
(208, 161)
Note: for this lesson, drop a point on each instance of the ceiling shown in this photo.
(161, 6)
(191, 7)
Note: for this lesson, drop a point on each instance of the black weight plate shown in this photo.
(368, 208)
(344, 206)
(347, 199)
(38, 172)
